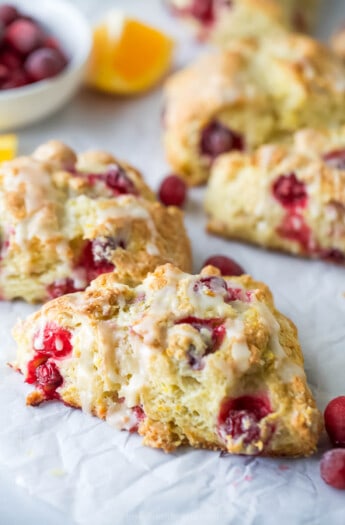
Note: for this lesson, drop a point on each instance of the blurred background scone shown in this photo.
(67, 219)
(256, 92)
(182, 359)
(290, 198)
(223, 22)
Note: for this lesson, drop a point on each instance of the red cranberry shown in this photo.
(215, 327)
(173, 191)
(102, 248)
(213, 283)
(61, 287)
(11, 59)
(217, 139)
(8, 13)
(226, 265)
(140, 415)
(48, 378)
(32, 367)
(294, 228)
(289, 191)
(44, 63)
(335, 421)
(24, 36)
(4, 73)
(94, 257)
(53, 341)
(202, 10)
(117, 179)
(335, 159)
(332, 468)
(17, 78)
(240, 417)
(332, 255)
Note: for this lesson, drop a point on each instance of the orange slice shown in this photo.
(128, 56)
(8, 147)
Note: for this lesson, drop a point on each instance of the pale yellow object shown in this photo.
(8, 147)
(128, 56)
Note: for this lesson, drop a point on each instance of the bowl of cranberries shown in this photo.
(44, 47)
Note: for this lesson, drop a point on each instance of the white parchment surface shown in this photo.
(98, 475)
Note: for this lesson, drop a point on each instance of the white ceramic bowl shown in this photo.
(28, 104)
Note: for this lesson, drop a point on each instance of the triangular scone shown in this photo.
(290, 198)
(66, 219)
(182, 359)
(253, 93)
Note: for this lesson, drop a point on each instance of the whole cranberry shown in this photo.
(8, 13)
(24, 36)
(117, 179)
(11, 59)
(332, 468)
(202, 10)
(290, 191)
(16, 78)
(48, 376)
(44, 63)
(226, 265)
(335, 421)
(173, 191)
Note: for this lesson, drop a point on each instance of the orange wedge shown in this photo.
(8, 147)
(127, 56)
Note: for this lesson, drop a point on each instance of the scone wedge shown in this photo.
(182, 359)
(65, 219)
(289, 198)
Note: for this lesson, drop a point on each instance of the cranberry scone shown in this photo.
(65, 219)
(254, 93)
(285, 197)
(182, 359)
(223, 21)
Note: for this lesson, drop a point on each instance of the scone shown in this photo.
(338, 42)
(255, 93)
(65, 220)
(225, 21)
(182, 359)
(289, 198)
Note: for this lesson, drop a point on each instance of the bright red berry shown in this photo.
(202, 10)
(44, 63)
(214, 325)
(53, 341)
(332, 468)
(8, 13)
(24, 36)
(290, 191)
(226, 265)
(117, 179)
(335, 421)
(11, 59)
(294, 228)
(48, 377)
(173, 191)
(217, 139)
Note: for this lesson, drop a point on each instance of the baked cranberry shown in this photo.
(226, 265)
(335, 159)
(140, 415)
(32, 366)
(290, 191)
(8, 13)
(240, 417)
(94, 258)
(61, 287)
(173, 191)
(213, 283)
(53, 341)
(217, 139)
(48, 378)
(117, 179)
(44, 63)
(24, 36)
(11, 59)
(214, 325)
(294, 228)
(332, 468)
(102, 248)
(202, 10)
(335, 421)
(332, 255)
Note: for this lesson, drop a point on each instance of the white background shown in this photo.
(94, 474)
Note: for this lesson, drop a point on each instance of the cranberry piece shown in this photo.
(140, 415)
(10, 59)
(202, 10)
(240, 417)
(32, 366)
(117, 179)
(332, 468)
(61, 287)
(294, 228)
(94, 258)
(23, 36)
(335, 421)
(173, 191)
(290, 191)
(214, 325)
(48, 378)
(226, 265)
(213, 283)
(332, 255)
(217, 139)
(335, 159)
(44, 63)
(102, 248)
(8, 13)
(53, 341)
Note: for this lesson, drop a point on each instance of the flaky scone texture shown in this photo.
(256, 92)
(65, 219)
(182, 359)
(286, 197)
(223, 22)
